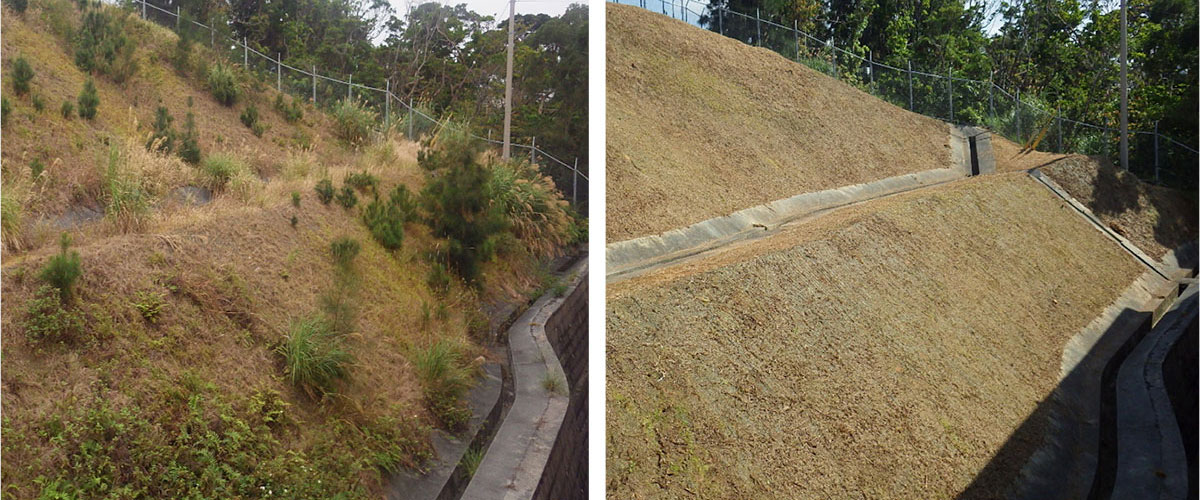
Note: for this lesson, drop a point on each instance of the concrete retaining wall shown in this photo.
(565, 475)
(513, 465)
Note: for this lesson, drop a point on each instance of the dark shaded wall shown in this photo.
(565, 475)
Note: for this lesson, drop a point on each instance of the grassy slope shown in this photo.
(890, 348)
(234, 275)
(700, 126)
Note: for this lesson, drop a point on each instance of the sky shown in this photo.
(499, 8)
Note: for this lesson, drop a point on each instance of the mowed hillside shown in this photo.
(700, 126)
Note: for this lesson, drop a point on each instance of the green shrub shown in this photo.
(314, 358)
(552, 384)
(22, 75)
(292, 113)
(5, 109)
(223, 84)
(296, 199)
(189, 144)
(352, 122)
(324, 189)
(101, 45)
(67, 110)
(386, 219)
(39, 104)
(88, 100)
(150, 305)
(163, 138)
(458, 200)
(532, 207)
(47, 319)
(258, 129)
(445, 379)
(219, 169)
(344, 251)
(438, 279)
(36, 167)
(126, 202)
(362, 181)
(249, 116)
(63, 269)
(295, 221)
(17, 6)
(182, 56)
(346, 197)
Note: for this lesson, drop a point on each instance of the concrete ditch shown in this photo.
(518, 457)
(970, 153)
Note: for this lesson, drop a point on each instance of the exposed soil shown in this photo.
(886, 350)
(700, 126)
(1158, 220)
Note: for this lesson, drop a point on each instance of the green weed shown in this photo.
(223, 84)
(22, 75)
(314, 358)
(445, 379)
(324, 189)
(88, 100)
(63, 269)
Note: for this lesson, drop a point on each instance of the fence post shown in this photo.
(279, 71)
(387, 102)
(683, 11)
(177, 19)
(410, 120)
(758, 26)
(245, 54)
(721, 20)
(911, 107)
(1017, 109)
(143, 9)
(1058, 120)
(349, 85)
(950, 91)
(533, 151)
(833, 55)
(991, 103)
(212, 35)
(796, 31)
(870, 67)
(575, 183)
(1156, 152)
(314, 75)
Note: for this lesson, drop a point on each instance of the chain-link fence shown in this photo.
(944, 95)
(325, 90)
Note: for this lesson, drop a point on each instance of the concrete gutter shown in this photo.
(513, 465)
(1151, 462)
(626, 258)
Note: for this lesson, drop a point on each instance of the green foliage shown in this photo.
(552, 384)
(471, 460)
(17, 6)
(21, 75)
(458, 201)
(126, 202)
(102, 46)
(438, 279)
(294, 221)
(352, 121)
(150, 305)
(39, 104)
(36, 167)
(5, 109)
(63, 269)
(296, 199)
(47, 319)
(67, 109)
(346, 197)
(534, 209)
(189, 143)
(182, 55)
(344, 251)
(324, 189)
(314, 357)
(386, 218)
(362, 181)
(258, 129)
(10, 220)
(219, 169)
(223, 84)
(445, 378)
(163, 138)
(290, 112)
(249, 116)
(88, 100)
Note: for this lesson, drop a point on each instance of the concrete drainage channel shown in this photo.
(970, 154)
(529, 417)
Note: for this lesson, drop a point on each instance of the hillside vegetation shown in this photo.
(217, 326)
(700, 126)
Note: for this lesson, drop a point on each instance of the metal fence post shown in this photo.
(1058, 120)
(349, 85)
(533, 151)
(1156, 151)
(387, 102)
(410, 120)
(758, 26)
(279, 71)
(796, 31)
(212, 35)
(314, 89)
(991, 103)
(950, 91)
(176, 18)
(911, 107)
(870, 67)
(143, 9)
(245, 54)
(1017, 111)
(575, 183)
(721, 21)
(833, 55)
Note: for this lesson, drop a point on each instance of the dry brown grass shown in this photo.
(888, 349)
(700, 126)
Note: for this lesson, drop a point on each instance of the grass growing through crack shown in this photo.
(471, 460)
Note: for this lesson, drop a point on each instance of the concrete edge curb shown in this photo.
(1151, 462)
(512, 466)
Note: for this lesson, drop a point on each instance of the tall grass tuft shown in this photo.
(445, 379)
(219, 169)
(352, 121)
(127, 204)
(314, 358)
(11, 215)
(534, 208)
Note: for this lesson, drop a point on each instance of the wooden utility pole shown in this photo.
(512, 9)
(1124, 86)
